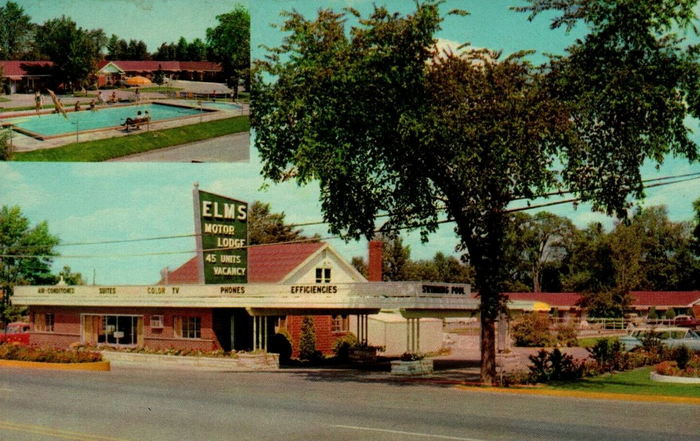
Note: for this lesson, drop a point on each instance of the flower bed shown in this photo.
(47, 355)
(671, 369)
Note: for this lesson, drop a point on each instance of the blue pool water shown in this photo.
(56, 124)
(218, 105)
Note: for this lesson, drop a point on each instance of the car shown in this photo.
(686, 321)
(671, 337)
(16, 332)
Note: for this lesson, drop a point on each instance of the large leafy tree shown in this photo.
(74, 51)
(229, 43)
(16, 32)
(25, 252)
(388, 126)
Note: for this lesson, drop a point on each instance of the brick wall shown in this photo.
(322, 326)
(67, 326)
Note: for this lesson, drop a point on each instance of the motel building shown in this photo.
(286, 282)
(232, 296)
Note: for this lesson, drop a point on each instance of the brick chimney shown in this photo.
(374, 267)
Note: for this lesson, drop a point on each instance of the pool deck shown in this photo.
(24, 143)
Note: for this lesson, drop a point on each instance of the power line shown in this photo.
(696, 176)
(313, 223)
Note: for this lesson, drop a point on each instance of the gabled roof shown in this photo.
(154, 65)
(16, 69)
(272, 263)
(266, 263)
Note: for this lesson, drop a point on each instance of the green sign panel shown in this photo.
(222, 228)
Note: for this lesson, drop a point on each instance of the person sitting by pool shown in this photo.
(113, 98)
(100, 99)
(92, 104)
(136, 122)
(77, 106)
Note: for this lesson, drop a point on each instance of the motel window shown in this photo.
(43, 322)
(323, 275)
(340, 324)
(187, 327)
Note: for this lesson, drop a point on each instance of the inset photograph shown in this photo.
(124, 81)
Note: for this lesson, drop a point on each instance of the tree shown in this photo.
(267, 227)
(229, 43)
(137, 50)
(396, 258)
(25, 252)
(307, 340)
(535, 246)
(16, 32)
(69, 277)
(74, 51)
(388, 125)
(197, 50)
(165, 52)
(181, 49)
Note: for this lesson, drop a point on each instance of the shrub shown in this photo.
(682, 355)
(652, 313)
(609, 355)
(342, 346)
(6, 145)
(307, 340)
(554, 366)
(566, 335)
(281, 343)
(10, 351)
(670, 313)
(411, 356)
(532, 330)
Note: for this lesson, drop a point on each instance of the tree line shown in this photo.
(75, 51)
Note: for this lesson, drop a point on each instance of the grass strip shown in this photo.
(19, 109)
(104, 149)
(635, 382)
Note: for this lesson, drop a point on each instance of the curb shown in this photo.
(93, 366)
(585, 395)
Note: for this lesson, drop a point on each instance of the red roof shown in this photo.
(16, 69)
(154, 65)
(266, 263)
(662, 299)
(665, 298)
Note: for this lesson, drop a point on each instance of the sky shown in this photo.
(153, 21)
(117, 201)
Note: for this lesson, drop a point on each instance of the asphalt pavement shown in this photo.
(143, 404)
(228, 148)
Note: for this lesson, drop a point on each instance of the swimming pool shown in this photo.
(219, 105)
(51, 125)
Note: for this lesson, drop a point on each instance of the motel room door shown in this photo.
(120, 330)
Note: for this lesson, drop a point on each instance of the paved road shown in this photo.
(228, 148)
(137, 404)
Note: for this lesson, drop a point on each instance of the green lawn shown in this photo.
(4, 100)
(634, 382)
(18, 109)
(103, 149)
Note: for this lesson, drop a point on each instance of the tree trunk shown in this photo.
(488, 350)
